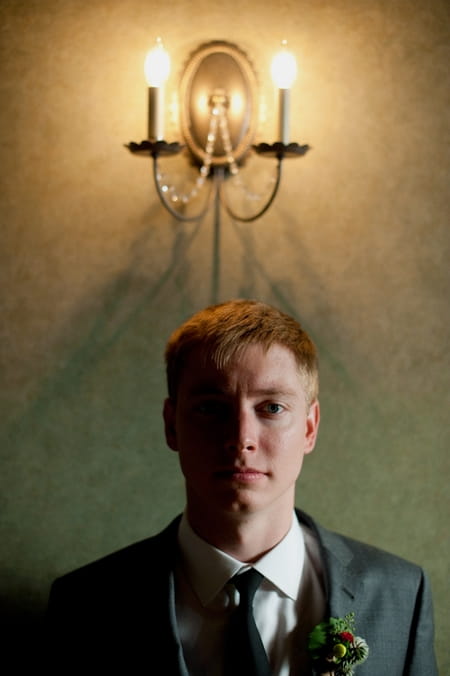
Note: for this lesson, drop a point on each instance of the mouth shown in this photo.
(240, 474)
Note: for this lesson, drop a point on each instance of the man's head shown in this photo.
(223, 331)
(242, 413)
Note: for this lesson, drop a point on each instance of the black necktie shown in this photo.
(244, 650)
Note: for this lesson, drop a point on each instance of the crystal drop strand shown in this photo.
(234, 169)
(225, 133)
(205, 169)
(251, 195)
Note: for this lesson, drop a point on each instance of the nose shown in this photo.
(241, 433)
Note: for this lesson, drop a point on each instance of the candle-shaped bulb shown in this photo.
(284, 71)
(156, 68)
(284, 68)
(157, 65)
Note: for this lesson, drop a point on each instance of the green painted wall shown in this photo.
(94, 274)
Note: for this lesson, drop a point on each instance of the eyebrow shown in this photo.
(208, 389)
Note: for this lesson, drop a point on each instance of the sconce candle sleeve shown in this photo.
(156, 113)
(284, 97)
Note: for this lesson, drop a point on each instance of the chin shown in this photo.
(241, 504)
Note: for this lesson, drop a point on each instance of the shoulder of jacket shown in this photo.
(350, 551)
(155, 551)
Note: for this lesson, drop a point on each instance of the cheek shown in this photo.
(194, 435)
(290, 465)
(290, 439)
(196, 443)
(202, 430)
(287, 449)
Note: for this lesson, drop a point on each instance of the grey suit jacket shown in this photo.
(118, 613)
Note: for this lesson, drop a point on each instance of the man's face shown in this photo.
(241, 432)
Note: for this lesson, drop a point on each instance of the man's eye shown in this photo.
(273, 408)
(212, 408)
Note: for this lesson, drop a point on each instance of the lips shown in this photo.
(241, 474)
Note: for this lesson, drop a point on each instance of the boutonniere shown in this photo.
(334, 648)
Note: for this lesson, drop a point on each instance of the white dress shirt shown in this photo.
(288, 604)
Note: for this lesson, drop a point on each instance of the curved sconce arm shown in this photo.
(161, 148)
(254, 217)
(280, 151)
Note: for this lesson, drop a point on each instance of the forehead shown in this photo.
(252, 368)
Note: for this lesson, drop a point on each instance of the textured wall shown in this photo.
(94, 274)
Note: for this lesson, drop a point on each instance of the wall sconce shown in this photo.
(218, 102)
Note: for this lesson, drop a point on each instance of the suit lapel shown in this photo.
(343, 584)
(179, 657)
(169, 546)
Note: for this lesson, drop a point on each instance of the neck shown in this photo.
(245, 537)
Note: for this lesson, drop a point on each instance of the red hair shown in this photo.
(225, 330)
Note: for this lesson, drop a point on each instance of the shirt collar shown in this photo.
(208, 569)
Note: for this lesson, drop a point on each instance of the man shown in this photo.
(242, 412)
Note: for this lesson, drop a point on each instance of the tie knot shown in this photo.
(247, 583)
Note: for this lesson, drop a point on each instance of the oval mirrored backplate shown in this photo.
(218, 74)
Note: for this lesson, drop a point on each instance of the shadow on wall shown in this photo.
(125, 303)
(119, 311)
(127, 299)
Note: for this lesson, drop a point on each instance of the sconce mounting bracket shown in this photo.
(218, 77)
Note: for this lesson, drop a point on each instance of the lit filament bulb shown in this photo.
(284, 72)
(157, 69)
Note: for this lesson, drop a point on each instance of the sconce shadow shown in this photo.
(110, 323)
(22, 610)
(281, 297)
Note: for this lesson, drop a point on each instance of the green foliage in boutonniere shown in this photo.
(334, 648)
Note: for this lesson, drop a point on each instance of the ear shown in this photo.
(169, 424)
(312, 426)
